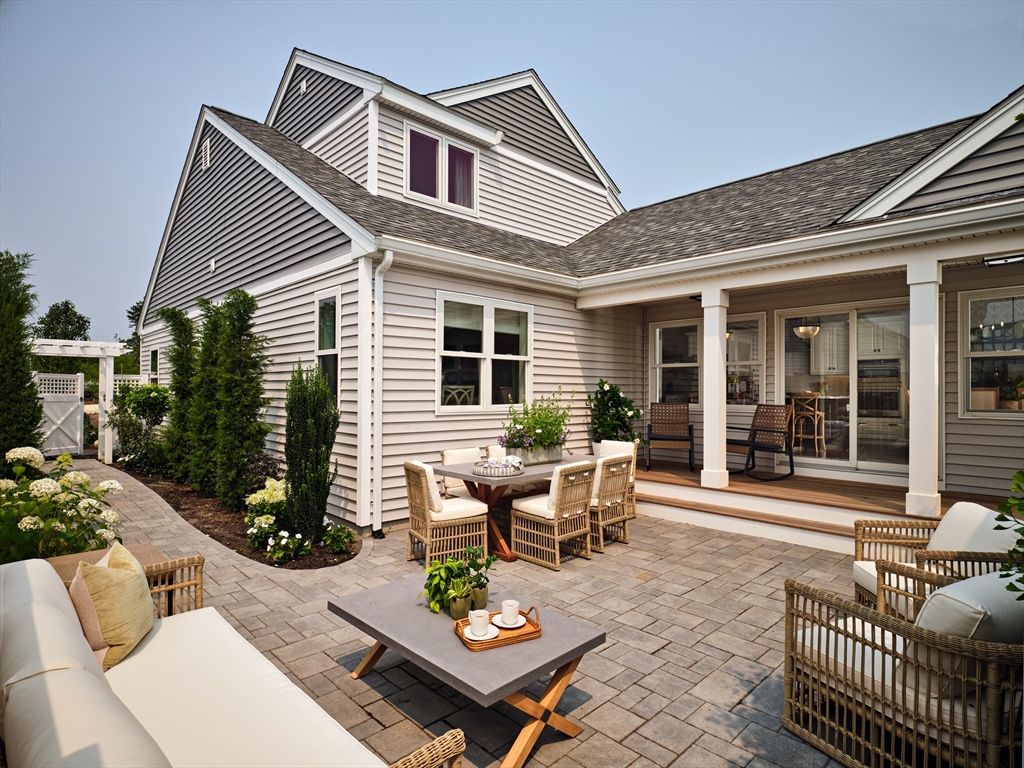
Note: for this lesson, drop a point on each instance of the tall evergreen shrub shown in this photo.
(241, 366)
(181, 354)
(20, 409)
(311, 424)
(202, 417)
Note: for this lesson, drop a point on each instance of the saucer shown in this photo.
(499, 623)
(492, 632)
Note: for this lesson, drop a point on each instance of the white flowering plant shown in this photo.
(261, 529)
(612, 414)
(268, 500)
(337, 537)
(57, 514)
(283, 547)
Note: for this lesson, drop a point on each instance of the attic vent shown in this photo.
(302, 86)
(206, 154)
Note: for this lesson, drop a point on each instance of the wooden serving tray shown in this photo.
(529, 631)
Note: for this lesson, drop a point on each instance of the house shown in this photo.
(437, 254)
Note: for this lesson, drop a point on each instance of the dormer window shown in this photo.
(440, 169)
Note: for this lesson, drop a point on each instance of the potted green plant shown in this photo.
(612, 414)
(458, 598)
(1011, 512)
(478, 567)
(539, 430)
(440, 579)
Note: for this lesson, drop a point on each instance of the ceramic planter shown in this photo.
(459, 608)
(478, 599)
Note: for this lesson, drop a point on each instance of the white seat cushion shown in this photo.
(969, 527)
(221, 703)
(865, 574)
(535, 505)
(495, 451)
(458, 490)
(435, 495)
(979, 608)
(457, 456)
(614, 447)
(458, 508)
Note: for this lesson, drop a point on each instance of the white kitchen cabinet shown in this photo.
(830, 351)
(882, 336)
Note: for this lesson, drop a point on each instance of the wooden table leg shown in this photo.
(541, 713)
(490, 495)
(369, 660)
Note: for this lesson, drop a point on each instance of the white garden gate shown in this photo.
(63, 397)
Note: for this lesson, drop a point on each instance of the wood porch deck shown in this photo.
(843, 494)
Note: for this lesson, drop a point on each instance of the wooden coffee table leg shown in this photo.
(369, 660)
(541, 713)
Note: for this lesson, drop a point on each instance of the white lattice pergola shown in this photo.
(106, 351)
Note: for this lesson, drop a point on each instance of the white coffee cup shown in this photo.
(509, 612)
(478, 621)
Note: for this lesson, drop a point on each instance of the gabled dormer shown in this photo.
(501, 153)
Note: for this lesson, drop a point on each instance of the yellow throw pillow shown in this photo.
(114, 604)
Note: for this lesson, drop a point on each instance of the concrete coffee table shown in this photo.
(397, 619)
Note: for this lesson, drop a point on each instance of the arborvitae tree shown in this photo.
(20, 408)
(202, 417)
(181, 354)
(61, 321)
(241, 365)
(311, 424)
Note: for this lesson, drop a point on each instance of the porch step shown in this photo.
(816, 526)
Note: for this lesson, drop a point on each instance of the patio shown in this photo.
(690, 676)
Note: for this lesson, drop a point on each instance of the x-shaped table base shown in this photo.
(540, 713)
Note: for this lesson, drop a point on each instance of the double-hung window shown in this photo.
(440, 169)
(743, 361)
(327, 347)
(484, 352)
(992, 345)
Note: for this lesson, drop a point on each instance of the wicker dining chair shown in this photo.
(770, 432)
(543, 527)
(612, 447)
(670, 427)
(440, 527)
(609, 513)
(452, 485)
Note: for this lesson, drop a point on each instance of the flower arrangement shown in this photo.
(56, 514)
(542, 424)
(612, 414)
(337, 537)
(283, 548)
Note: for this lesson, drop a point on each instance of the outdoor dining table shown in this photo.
(489, 490)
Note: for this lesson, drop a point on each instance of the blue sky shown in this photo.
(98, 100)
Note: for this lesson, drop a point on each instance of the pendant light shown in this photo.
(809, 330)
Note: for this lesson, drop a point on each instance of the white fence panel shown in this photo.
(63, 397)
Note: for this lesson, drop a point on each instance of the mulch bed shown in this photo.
(210, 517)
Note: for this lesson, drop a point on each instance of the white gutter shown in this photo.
(378, 391)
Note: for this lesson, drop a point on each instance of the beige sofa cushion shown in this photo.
(71, 718)
(222, 703)
(979, 608)
(458, 508)
(969, 527)
(113, 603)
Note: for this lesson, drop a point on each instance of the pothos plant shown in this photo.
(441, 577)
(1011, 512)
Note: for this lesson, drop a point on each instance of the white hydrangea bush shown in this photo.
(57, 514)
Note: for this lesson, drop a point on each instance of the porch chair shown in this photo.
(545, 526)
(770, 432)
(609, 514)
(669, 427)
(453, 486)
(808, 421)
(871, 689)
(440, 527)
(612, 447)
(962, 543)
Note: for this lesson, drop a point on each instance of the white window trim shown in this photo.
(332, 293)
(443, 142)
(154, 375)
(963, 351)
(489, 305)
(698, 322)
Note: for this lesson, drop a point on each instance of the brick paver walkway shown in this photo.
(690, 676)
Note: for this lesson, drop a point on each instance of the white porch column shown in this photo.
(715, 303)
(106, 397)
(924, 279)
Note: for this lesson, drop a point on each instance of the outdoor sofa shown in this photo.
(193, 692)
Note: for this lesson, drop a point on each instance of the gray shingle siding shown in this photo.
(303, 114)
(238, 213)
(529, 127)
(996, 167)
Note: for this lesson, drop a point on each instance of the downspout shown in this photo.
(378, 393)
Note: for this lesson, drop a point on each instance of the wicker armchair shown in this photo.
(962, 543)
(670, 427)
(452, 485)
(870, 689)
(609, 513)
(439, 528)
(612, 447)
(543, 527)
(770, 432)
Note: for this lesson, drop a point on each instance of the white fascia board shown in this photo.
(522, 80)
(428, 109)
(362, 240)
(630, 285)
(368, 82)
(469, 265)
(941, 160)
(193, 146)
(74, 348)
(340, 120)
